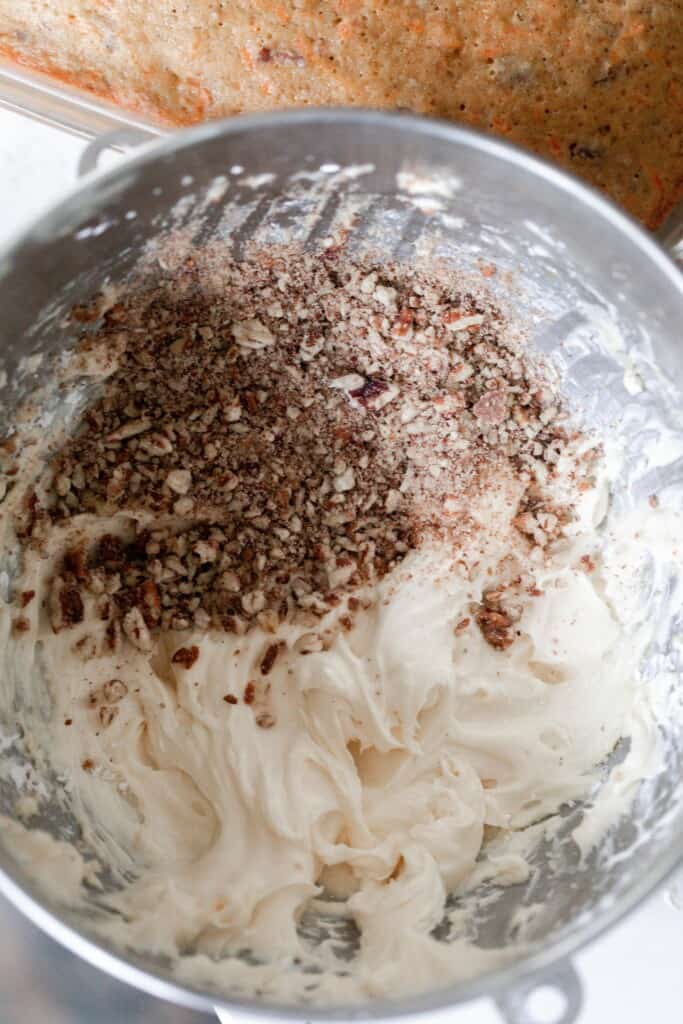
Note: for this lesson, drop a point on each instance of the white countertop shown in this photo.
(633, 975)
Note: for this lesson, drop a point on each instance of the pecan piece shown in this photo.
(113, 635)
(491, 408)
(186, 656)
(109, 552)
(495, 626)
(27, 514)
(66, 605)
(269, 658)
(150, 602)
(369, 390)
(75, 562)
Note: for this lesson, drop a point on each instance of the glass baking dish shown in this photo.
(40, 97)
(44, 99)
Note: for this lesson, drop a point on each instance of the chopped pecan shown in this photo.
(75, 562)
(243, 441)
(27, 514)
(491, 407)
(495, 627)
(66, 605)
(269, 658)
(86, 313)
(113, 635)
(109, 552)
(150, 602)
(370, 389)
(186, 656)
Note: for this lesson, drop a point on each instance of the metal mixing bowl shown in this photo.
(577, 270)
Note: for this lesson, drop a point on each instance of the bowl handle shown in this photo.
(553, 995)
(121, 140)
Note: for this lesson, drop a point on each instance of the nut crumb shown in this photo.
(269, 658)
(293, 426)
(186, 656)
(495, 628)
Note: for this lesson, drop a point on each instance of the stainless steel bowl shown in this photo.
(405, 186)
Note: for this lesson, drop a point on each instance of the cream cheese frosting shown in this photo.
(377, 774)
(392, 755)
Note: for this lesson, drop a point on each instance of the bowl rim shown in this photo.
(120, 964)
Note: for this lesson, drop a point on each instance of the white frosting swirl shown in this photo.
(393, 754)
